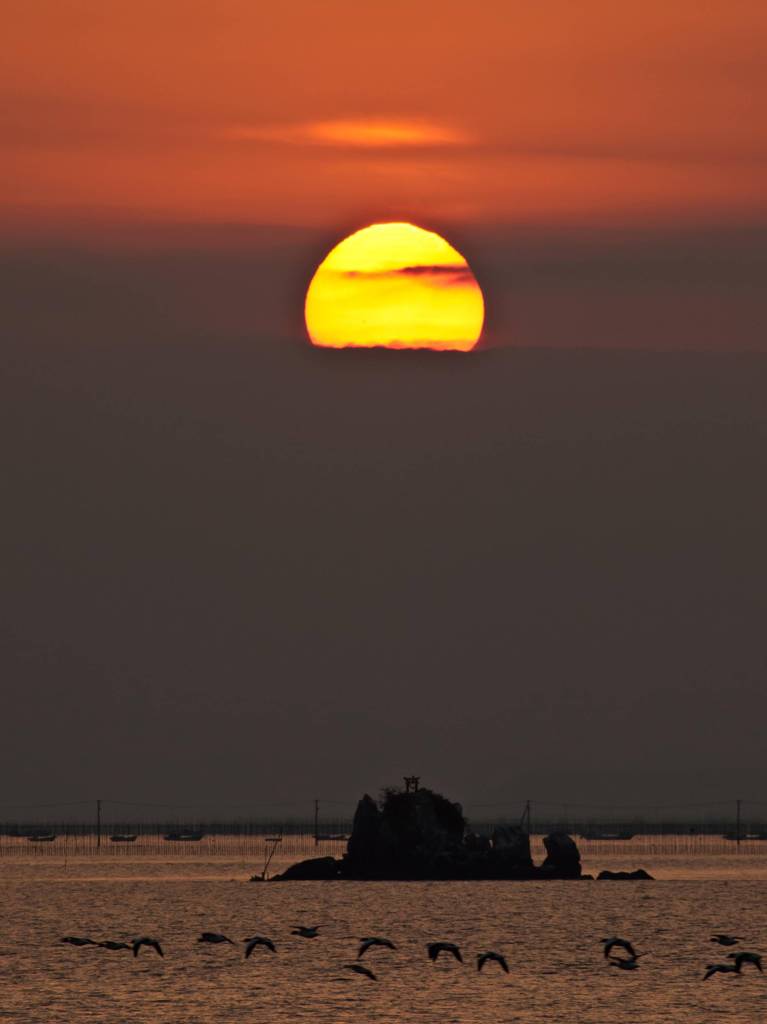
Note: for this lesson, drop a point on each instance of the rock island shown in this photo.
(421, 835)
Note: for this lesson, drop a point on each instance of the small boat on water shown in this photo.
(614, 836)
(41, 837)
(745, 836)
(183, 837)
(122, 838)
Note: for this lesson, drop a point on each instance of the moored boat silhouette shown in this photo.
(596, 834)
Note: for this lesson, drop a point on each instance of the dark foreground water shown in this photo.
(549, 932)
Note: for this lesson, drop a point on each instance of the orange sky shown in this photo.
(344, 112)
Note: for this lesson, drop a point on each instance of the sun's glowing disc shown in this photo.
(396, 286)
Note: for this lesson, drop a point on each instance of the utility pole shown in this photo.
(737, 824)
(98, 824)
(526, 816)
(316, 822)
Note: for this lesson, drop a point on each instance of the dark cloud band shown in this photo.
(442, 273)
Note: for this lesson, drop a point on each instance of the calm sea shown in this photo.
(549, 932)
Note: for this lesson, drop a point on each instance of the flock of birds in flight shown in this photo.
(628, 960)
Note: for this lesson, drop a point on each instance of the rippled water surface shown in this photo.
(549, 932)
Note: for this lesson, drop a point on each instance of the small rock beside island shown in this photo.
(640, 875)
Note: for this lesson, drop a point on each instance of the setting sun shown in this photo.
(395, 286)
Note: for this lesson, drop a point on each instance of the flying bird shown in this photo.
(258, 940)
(435, 948)
(109, 944)
(746, 958)
(726, 940)
(146, 941)
(366, 944)
(720, 969)
(306, 933)
(630, 964)
(215, 938)
(611, 944)
(359, 969)
(75, 940)
(482, 959)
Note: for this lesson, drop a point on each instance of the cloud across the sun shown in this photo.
(439, 275)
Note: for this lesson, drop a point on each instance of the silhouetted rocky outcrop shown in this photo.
(411, 835)
(640, 875)
(477, 844)
(423, 835)
(317, 869)
(562, 856)
(511, 845)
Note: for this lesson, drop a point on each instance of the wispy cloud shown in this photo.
(444, 274)
(364, 133)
